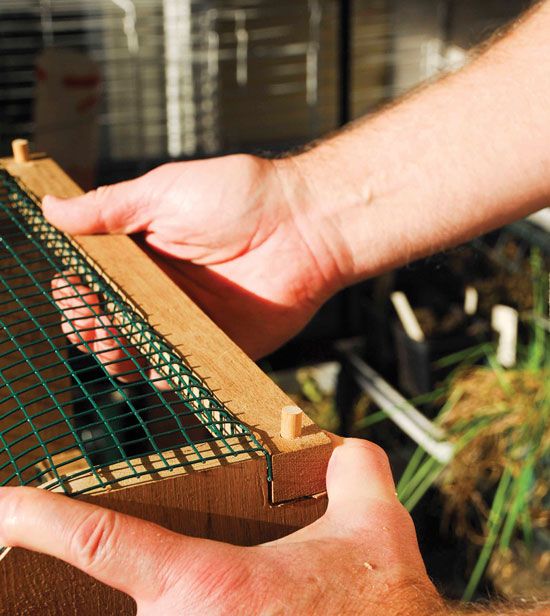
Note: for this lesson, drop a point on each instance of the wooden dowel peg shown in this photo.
(291, 422)
(20, 149)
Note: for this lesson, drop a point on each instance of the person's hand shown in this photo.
(361, 557)
(248, 248)
(89, 329)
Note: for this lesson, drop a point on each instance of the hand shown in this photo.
(361, 557)
(88, 328)
(242, 233)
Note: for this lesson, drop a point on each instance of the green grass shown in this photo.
(527, 442)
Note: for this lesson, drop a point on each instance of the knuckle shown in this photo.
(94, 539)
(100, 194)
(215, 582)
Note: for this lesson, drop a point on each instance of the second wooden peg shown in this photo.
(20, 149)
(291, 422)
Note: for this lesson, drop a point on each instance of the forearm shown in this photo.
(455, 159)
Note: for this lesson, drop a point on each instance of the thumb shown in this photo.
(119, 208)
(358, 473)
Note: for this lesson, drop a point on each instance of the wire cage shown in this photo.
(62, 414)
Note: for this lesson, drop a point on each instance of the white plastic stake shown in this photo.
(20, 148)
(470, 300)
(406, 316)
(504, 320)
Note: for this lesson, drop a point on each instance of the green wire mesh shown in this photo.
(60, 409)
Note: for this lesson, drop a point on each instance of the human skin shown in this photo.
(360, 557)
(262, 244)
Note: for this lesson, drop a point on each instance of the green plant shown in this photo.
(499, 422)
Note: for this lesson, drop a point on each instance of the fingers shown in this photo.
(119, 358)
(80, 306)
(129, 554)
(120, 208)
(91, 331)
(358, 473)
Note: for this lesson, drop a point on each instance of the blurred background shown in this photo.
(115, 87)
(112, 88)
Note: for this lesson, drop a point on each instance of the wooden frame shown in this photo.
(228, 499)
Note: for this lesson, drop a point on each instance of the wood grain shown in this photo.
(224, 503)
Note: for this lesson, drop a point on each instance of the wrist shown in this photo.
(324, 200)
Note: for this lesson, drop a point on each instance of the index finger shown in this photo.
(124, 552)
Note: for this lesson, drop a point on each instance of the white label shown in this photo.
(406, 316)
(470, 300)
(504, 320)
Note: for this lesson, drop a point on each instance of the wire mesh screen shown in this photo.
(62, 414)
